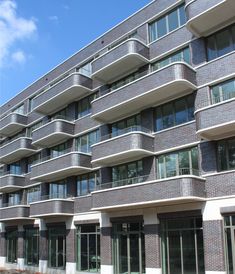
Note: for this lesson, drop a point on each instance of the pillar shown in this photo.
(70, 247)
(43, 247)
(3, 254)
(20, 248)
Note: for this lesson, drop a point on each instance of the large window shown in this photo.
(58, 150)
(221, 43)
(88, 246)
(85, 69)
(58, 190)
(183, 162)
(11, 246)
(32, 246)
(29, 130)
(175, 113)
(84, 105)
(57, 247)
(226, 154)
(19, 109)
(14, 198)
(129, 173)
(129, 248)
(14, 168)
(33, 160)
(229, 228)
(86, 183)
(223, 91)
(33, 194)
(182, 55)
(85, 141)
(167, 23)
(126, 125)
(182, 246)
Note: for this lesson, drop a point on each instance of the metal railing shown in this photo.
(178, 172)
(15, 203)
(5, 173)
(57, 195)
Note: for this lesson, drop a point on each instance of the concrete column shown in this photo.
(2, 245)
(20, 248)
(106, 244)
(152, 242)
(71, 250)
(213, 239)
(43, 247)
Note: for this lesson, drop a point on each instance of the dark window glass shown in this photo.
(226, 154)
(32, 246)
(161, 27)
(223, 42)
(173, 21)
(181, 113)
(87, 183)
(11, 246)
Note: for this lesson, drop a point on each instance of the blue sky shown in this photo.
(36, 35)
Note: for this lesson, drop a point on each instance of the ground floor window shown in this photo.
(11, 245)
(128, 248)
(229, 226)
(31, 246)
(88, 247)
(182, 246)
(57, 247)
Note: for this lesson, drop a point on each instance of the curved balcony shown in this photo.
(14, 212)
(130, 146)
(141, 192)
(62, 93)
(223, 126)
(12, 124)
(206, 17)
(52, 133)
(15, 150)
(11, 182)
(52, 207)
(50, 169)
(119, 60)
(175, 80)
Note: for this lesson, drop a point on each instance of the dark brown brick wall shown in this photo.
(106, 245)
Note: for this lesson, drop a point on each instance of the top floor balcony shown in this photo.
(125, 57)
(12, 124)
(206, 17)
(68, 89)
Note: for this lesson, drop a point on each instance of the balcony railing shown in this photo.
(15, 203)
(50, 197)
(179, 172)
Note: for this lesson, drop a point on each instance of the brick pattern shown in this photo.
(152, 246)
(71, 245)
(20, 244)
(3, 244)
(43, 245)
(106, 245)
(213, 246)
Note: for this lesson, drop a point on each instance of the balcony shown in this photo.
(132, 145)
(141, 192)
(52, 133)
(11, 182)
(175, 80)
(47, 206)
(12, 124)
(50, 169)
(62, 93)
(14, 212)
(15, 150)
(122, 59)
(206, 17)
(212, 126)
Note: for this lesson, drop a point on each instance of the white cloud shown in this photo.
(12, 29)
(53, 18)
(18, 57)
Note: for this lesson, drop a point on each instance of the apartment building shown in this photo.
(122, 158)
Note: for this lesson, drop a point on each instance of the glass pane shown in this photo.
(84, 182)
(161, 167)
(190, 106)
(200, 252)
(181, 113)
(84, 252)
(173, 20)
(189, 257)
(158, 121)
(167, 113)
(91, 183)
(222, 159)
(211, 48)
(84, 144)
(184, 166)
(233, 34)
(186, 55)
(194, 158)
(134, 253)
(153, 32)
(216, 97)
(182, 15)
(223, 42)
(171, 169)
(231, 154)
(52, 251)
(161, 27)
(60, 251)
(174, 252)
(228, 90)
(123, 258)
(92, 252)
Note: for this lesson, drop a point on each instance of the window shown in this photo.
(223, 91)
(32, 246)
(175, 113)
(33, 194)
(84, 105)
(126, 125)
(181, 55)
(29, 130)
(14, 198)
(226, 154)
(14, 168)
(88, 246)
(1, 171)
(30, 104)
(11, 246)
(130, 173)
(33, 160)
(58, 190)
(167, 23)
(182, 246)
(183, 162)
(19, 109)
(229, 232)
(58, 150)
(62, 114)
(86, 69)
(87, 183)
(85, 141)
(57, 247)
(129, 247)
(220, 43)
